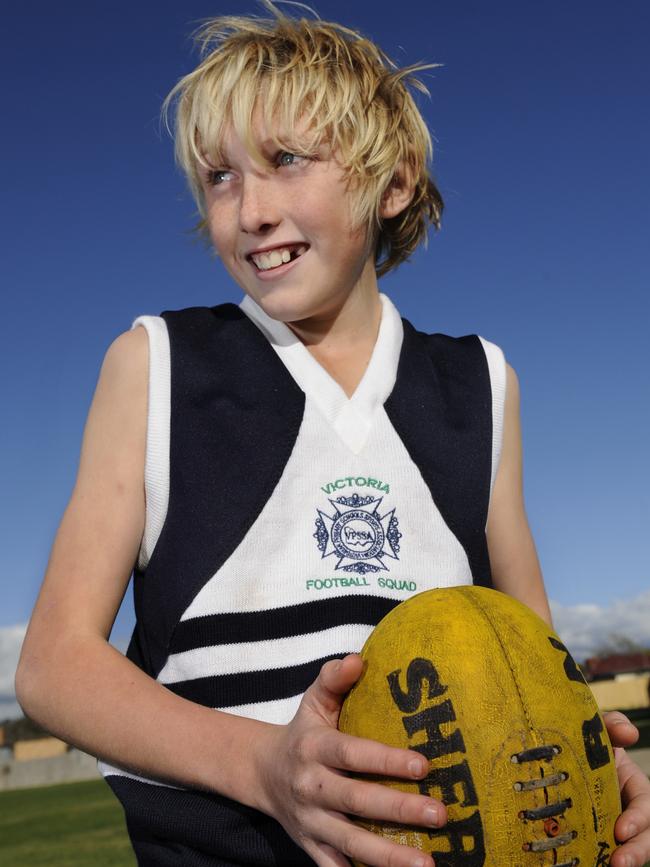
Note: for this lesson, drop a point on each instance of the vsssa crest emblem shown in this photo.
(358, 535)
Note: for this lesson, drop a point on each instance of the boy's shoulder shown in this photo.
(222, 336)
(227, 312)
(445, 351)
(437, 370)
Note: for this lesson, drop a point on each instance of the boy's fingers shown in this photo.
(339, 675)
(335, 679)
(622, 732)
(633, 826)
(633, 854)
(369, 848)
(348, 753)
(326, 856)
(635, 792)
(374, 801)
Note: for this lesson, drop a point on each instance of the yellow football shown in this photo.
(517, 749)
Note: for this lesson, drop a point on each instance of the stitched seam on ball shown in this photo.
(474, 600)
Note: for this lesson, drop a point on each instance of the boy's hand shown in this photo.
(633, 825)
(305, 787)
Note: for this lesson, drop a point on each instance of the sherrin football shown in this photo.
(517, 749)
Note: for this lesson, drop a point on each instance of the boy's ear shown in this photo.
(399, 192)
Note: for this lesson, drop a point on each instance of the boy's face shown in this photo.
(283, 230)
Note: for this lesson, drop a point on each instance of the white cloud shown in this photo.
(11, 640)
(585, 628)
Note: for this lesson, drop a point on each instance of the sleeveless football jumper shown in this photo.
(284, 520)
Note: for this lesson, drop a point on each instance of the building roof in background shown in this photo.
(619, 663)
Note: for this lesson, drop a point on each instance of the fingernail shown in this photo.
(632, 830)
(431, 815)
(419, 861)
(417, 767)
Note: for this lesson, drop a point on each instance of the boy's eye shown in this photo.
(218, 176)
(286, 158)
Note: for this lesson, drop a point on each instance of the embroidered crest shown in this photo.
(358, 535)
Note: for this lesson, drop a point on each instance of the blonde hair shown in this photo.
(339, 85)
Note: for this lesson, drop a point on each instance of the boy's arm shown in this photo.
(516, 571)
(83, 690)
(69, 677)
(513, 558)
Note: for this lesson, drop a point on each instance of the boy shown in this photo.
(269, 468)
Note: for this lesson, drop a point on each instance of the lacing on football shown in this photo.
(536, 754)
(552, 843)
(548, 810)
(541, 782)
(554, 840)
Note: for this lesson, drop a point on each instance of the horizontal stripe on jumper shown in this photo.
(228, 690)
(272, 623)
(263, 655)
(278, 712)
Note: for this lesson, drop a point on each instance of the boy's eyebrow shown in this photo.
(267, 147)
(273, 141)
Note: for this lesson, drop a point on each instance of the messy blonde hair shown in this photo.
(344, 90)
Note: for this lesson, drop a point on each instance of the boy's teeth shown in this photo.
(265, 261)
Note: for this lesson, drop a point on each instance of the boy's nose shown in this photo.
(257, 212)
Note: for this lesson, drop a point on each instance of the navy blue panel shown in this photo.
(235, 416)
(224, 833)
(441, 407)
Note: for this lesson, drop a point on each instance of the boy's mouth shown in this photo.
(270, 259)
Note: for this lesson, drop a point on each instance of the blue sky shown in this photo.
(542, 139)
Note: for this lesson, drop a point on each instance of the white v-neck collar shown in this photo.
(351, 417)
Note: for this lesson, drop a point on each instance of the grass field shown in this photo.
(72, 825)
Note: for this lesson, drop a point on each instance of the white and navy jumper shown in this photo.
(284, 520)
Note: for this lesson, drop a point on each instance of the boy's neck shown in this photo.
(343, 343)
